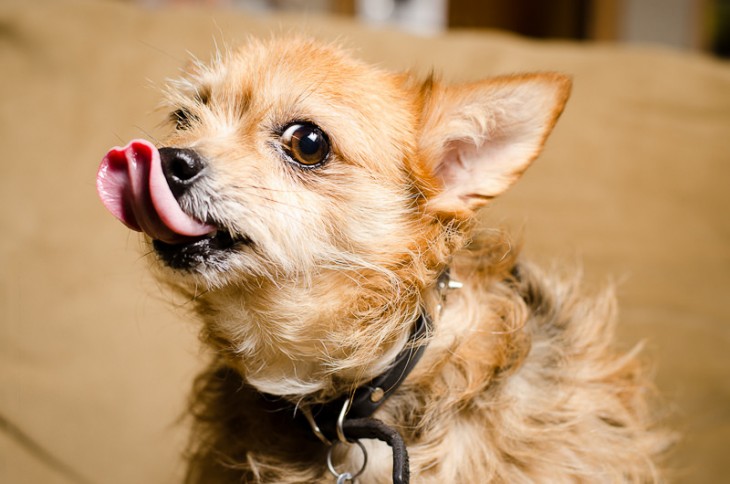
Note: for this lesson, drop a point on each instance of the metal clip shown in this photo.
(344, 477)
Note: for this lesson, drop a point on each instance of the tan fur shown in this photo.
(518, 383)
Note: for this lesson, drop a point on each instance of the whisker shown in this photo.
(163, 52)
(250, 191)
(285, 204)
(311, 89)
(116, 135)
(148, 134)
(258, 187)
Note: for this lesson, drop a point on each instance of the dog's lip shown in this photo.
(219, 233)
(197, 252)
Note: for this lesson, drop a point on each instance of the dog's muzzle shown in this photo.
(142, 186)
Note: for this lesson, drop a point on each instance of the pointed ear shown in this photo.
(479, 138)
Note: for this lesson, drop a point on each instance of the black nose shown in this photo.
(182, 167)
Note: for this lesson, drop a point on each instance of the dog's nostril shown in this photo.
(181, 167)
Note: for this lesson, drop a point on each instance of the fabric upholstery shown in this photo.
(96, 360)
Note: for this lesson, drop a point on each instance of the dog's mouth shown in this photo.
(198, 251)
(133, 187)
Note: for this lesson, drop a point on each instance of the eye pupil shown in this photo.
(310, 144)
(305, 144)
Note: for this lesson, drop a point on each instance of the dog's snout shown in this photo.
(182, 167)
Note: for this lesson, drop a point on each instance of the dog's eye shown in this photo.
(182, 118)
(305, 144)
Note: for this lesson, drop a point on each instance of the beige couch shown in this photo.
(95, 364)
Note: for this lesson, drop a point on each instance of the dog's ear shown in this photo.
(480, 137)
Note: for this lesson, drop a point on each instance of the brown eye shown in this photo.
(305, 144)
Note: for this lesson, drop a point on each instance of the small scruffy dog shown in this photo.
(320, 215)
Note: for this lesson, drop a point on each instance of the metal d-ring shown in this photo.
(313, 424)
(341, 421)
(444, 284)
(346, 476)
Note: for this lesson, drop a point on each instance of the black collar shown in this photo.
(367, 398)
(349, 417)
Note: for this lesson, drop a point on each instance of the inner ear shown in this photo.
(478, 171)
(485, 135)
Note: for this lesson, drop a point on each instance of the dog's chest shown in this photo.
(447, 454)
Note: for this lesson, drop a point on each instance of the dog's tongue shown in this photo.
(132, 186)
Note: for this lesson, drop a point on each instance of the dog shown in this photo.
(321, 216)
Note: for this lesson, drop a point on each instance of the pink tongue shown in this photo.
(132, 186)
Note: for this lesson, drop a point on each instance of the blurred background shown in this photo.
(97, 360)
(686, 24)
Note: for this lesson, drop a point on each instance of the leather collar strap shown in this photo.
(369, 397)
(366, 399)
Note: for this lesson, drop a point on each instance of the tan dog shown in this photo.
(313, 208)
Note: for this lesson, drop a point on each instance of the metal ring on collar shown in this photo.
(341, 421)
(307, 412)
(331, 466)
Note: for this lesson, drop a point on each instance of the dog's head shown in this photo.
(306, 200)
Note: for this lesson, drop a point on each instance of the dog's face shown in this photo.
(307, 163)
(311, 199)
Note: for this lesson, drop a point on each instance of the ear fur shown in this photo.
(479, 138)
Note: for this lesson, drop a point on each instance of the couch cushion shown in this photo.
(95, 363)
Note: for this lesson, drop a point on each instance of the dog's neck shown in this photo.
(315, 342)
(364, 400)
